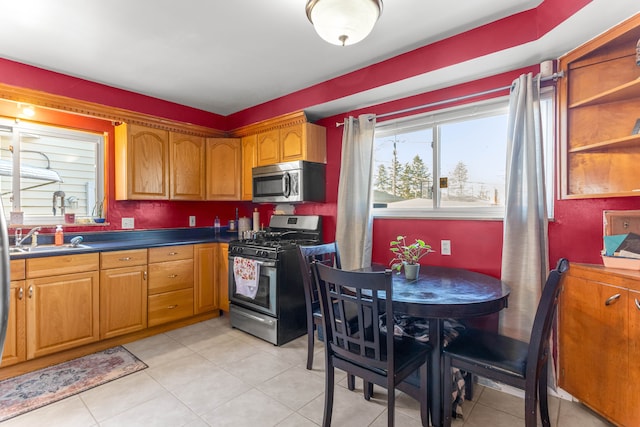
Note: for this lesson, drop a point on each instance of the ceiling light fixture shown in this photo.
(343, 22)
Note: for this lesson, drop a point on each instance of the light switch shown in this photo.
(127, 223)
(192, 221)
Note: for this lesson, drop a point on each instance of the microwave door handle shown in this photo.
(286, 184)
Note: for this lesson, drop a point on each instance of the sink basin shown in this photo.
(46, 248)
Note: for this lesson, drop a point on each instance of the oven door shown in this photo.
(266, 297)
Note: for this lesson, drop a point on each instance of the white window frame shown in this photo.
(59, 132)
(468, 111)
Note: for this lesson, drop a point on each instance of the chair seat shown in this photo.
(406, 352)
(496, 352)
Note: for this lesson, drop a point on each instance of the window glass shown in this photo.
(473, 162)
(46, 172)
(450, 163)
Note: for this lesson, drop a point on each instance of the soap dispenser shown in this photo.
(59, 236)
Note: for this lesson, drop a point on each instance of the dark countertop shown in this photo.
(105, 241)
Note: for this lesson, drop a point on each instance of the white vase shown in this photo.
(411, 271)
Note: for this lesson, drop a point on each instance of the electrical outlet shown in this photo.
(127, 223)
(445, 247)
(192, 221)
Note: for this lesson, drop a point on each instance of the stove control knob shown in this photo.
(262, 253)
(236, 250)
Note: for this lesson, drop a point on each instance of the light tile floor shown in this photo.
(209, 374)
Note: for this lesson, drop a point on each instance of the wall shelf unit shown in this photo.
(599, 116)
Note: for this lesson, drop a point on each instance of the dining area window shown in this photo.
(450, 162)
(47, 171)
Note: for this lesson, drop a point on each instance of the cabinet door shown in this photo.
(634, 356)
(62, 312)
(268, 147)
(224, 163)
(223, 278)
(142, 163)
(123, 301)
(15, 349)
(206, 286)
(292, 144)
(593, 337)
(249, 161)
(187, 167)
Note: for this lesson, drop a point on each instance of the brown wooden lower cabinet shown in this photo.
(170, 284)
(123, 292)
(205, 292)
(599, 340)
(62, 312)
(123, 301)
(15, 344)
(170, 306)
(60, 303)
(223, 280)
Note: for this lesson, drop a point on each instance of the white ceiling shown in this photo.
(224, 56)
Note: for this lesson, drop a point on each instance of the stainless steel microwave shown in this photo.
(290, 182)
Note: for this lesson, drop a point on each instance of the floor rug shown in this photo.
(36, 389)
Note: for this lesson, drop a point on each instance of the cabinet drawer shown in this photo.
(17, 269)
(170, 276)
(170, 253)
(170, 306)
(65, 264)
(119, 259)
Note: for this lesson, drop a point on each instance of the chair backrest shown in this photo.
(326, 254)
(367, 294)
(543, 322)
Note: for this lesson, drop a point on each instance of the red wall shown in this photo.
(575, 233)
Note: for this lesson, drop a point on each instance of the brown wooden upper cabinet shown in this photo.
(599, 111)
(154, 164)
(224, 168)
(141, 162)
(249, 161)
(187, 164)
(303, 141)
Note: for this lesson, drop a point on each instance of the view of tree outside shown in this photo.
(403, 169)
(472, 158)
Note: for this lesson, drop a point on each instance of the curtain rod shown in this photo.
(554, 76)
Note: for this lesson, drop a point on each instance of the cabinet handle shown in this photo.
(127, 258)
(637, 303)
(173, 253)
(30, 291)
(612, 299)
(144, 276)
(171, 307)
(21, 294)
(172, 276)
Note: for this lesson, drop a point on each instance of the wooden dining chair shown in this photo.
(367, 352)
(510, 361)
(327, 254)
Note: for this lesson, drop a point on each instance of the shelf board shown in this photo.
(627, 141)
(620, 93)
(631, 193)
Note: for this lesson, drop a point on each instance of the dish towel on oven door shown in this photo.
(246, 273)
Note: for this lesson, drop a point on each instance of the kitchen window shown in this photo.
(48, 171)
(450, 163)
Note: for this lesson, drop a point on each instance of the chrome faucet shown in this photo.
(29, 234)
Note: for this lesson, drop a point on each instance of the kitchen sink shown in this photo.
(46, 248)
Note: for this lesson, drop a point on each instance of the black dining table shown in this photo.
(440, 293)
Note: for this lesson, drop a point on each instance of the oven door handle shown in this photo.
(256, 318)
(268, 264)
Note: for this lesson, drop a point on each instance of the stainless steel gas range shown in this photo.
(266, 294)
